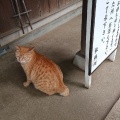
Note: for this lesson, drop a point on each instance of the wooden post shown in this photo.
(79, 59)
(100, 35)
(88, 35)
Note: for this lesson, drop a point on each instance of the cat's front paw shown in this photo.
(25, 84)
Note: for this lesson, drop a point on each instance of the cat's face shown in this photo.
(24, 54)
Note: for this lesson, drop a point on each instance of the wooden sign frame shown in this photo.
(88, 26)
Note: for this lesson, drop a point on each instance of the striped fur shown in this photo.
(41, 71)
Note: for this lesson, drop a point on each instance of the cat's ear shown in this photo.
(31, 49)
(17, 47)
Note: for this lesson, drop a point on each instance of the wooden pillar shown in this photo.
(79, 59)
(83, 30)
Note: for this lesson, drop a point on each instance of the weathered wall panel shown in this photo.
(40, 10)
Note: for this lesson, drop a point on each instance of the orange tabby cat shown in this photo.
(42, 72)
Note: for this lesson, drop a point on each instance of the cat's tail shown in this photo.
(65, 91)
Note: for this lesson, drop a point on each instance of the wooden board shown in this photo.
(105, 31)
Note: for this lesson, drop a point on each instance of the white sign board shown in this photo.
(106, 31)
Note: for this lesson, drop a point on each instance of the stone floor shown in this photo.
(60, 45)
